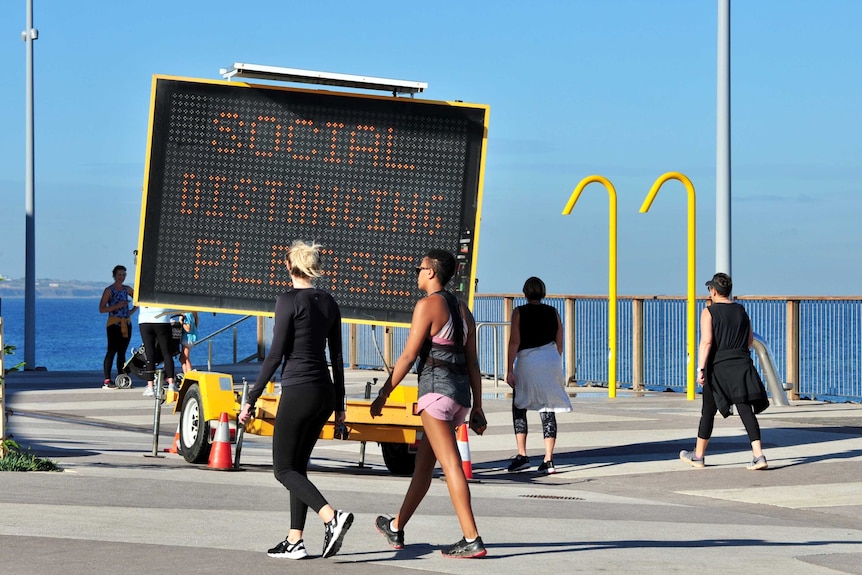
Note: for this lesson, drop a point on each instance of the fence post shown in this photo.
(569, 342)
(261, 339)
(388, 346)
(792, 347)
(352, 347)
(508, 307)
(638, 344)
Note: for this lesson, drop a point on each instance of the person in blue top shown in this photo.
(307, 321)
(116, 302)
(190, 336)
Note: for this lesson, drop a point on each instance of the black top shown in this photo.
(730, 326)
(538, 323)
(305, 321)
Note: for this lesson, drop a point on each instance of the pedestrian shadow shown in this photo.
(653, 451)
(509, 550)
(498, 549)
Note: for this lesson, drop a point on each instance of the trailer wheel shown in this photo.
(398, 459)
(194, 443)
(123, 381)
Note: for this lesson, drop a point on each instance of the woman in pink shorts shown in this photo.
(442, 337)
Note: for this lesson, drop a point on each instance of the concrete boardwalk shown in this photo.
(621, 502)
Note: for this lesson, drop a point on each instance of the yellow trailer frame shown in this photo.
(204, 396)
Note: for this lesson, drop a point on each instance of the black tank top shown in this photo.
(538, 325)
(730, 326)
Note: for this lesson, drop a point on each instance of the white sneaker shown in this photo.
(148, 392)
(173, 387)
(288, 550)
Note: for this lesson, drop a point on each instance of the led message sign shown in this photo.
(236, 172)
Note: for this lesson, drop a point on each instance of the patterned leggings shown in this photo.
(549, 422)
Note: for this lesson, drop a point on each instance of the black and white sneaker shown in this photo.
(334, 532)
(288, 550)
(546, 468)
(519, 463)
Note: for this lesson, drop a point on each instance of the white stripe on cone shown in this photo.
(464, 450)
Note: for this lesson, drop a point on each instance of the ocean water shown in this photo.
(70, 334)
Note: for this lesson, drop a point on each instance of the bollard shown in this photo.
(157, 413)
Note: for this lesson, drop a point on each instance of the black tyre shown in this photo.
(398, 459)
(194, 430)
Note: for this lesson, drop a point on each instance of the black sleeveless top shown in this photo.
(538, 325)
(730, 326)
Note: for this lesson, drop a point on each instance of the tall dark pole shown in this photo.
(29, 35)
(722, 143)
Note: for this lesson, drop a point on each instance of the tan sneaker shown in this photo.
(758, 463)
(690, 458)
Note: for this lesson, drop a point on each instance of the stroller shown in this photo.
(137, 363)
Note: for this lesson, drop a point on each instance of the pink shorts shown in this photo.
(443, 408)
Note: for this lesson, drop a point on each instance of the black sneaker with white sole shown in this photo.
(288, 550)
(334, 532)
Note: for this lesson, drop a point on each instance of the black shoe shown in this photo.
(288, 550)
(519, 463)
(394, 538)
(464, 550)
(546, 468)
(334, 532)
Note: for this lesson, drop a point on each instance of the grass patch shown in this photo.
(14, 459)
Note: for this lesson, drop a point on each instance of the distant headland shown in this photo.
(53, 288)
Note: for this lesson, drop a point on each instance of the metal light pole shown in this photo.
(29, 35)
(722, 143)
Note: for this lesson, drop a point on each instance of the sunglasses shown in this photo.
(420, 268)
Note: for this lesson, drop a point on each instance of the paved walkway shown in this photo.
(621, 501)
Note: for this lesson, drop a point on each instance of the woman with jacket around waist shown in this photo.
(535, 373)
(727, 373)
(115, 302)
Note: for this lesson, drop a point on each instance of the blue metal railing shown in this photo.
(829, 342)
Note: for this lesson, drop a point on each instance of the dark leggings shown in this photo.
(117, 346)
(707, 417)
(157, 333)
(302, 412)
(549, 421)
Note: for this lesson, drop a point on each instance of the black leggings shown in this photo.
(117, 346)
(707, 417)
(157, 333)
(302, 412)
(549, 421)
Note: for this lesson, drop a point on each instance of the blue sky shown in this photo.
(621, 88)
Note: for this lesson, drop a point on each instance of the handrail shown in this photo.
(219, 331)
(494, 325)
(776, 389)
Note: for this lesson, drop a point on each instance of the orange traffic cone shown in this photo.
(220, 456)
(464, 450)
(175, 448)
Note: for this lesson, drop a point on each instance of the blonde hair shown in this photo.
(303, 260)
